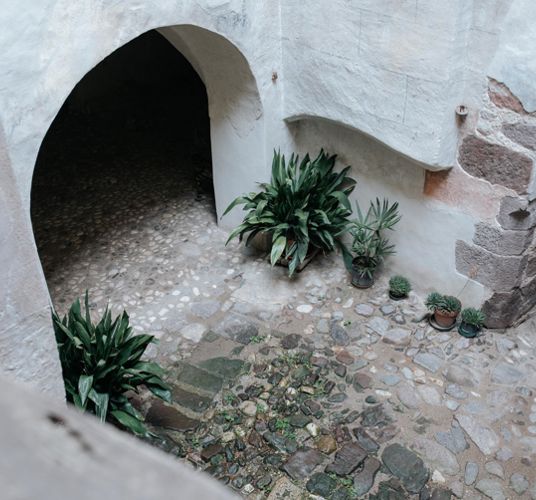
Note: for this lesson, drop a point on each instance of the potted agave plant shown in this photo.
(399, 287)
(304, 209)
(369, 246)
(445, 309)
(471, 323)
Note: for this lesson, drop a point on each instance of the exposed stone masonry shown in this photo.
(501, 255)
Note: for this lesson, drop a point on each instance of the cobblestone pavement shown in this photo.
(288, 388)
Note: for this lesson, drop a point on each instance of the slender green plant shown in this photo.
(369, 245)
(473, 317)
(102, 362)
(305, 206)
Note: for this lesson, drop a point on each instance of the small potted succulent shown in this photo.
(445, 309)
(472, 322)
(399, 287)
(369, 246)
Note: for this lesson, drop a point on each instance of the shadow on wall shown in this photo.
(426, 237)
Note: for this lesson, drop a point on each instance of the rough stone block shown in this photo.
(522, 133)
(528, 296)
(502, 97)
(495, 163)
(516, 213)
(530, 270)
(499, 272)
(502, 242)
(502, 309)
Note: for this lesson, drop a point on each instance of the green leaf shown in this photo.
(278, 247)
(101, 401)
(237, 201)
(130, 422)
(85, 383)
(164, 394)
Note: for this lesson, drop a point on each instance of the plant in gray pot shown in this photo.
(399, 287)
(369, 245)
(472, 322)
(445, 310)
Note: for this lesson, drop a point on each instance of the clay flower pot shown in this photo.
(445, 319)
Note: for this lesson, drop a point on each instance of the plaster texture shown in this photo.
(291, 75)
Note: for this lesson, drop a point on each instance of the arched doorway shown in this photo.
(237, 143)
(128, 152)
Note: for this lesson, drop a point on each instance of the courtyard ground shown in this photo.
(283, 388)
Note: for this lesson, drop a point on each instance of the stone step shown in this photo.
(200, 380)
(190, 400)
(169, 417)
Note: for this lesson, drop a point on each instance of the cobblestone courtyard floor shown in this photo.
(288, 388)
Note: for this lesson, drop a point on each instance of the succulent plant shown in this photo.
(399, 286)
(445, 303)
(474, 317)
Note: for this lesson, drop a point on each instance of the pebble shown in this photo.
(387, 309)
(483, 436)
(428, 360)
(312, 429)
(495, 469)
(397, 336)
(455, 391)
(519, 483)
(304, 308)
(378, 325)
(408, 397)
(323, 326)
(248, 408)
(471, 473)
(430, 395)
(491, 488)
(364, 310)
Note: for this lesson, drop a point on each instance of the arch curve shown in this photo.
(237, 143)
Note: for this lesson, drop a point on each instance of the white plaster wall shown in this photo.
(387, 68)
(426, 236)
(392, 69)
(47, 47)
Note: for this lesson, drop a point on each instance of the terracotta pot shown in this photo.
(444, 318)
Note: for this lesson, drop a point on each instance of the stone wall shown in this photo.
(501, 255)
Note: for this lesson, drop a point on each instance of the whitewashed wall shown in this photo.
(392, 70)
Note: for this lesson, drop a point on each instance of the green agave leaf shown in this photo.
(150, 367)
(238, 231)
(101, 401)
(278, 247)
(164, 394)
(342, 198)
(85, 383)
(237, 201)
(127, 407)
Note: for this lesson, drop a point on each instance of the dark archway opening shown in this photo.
(129, 149)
